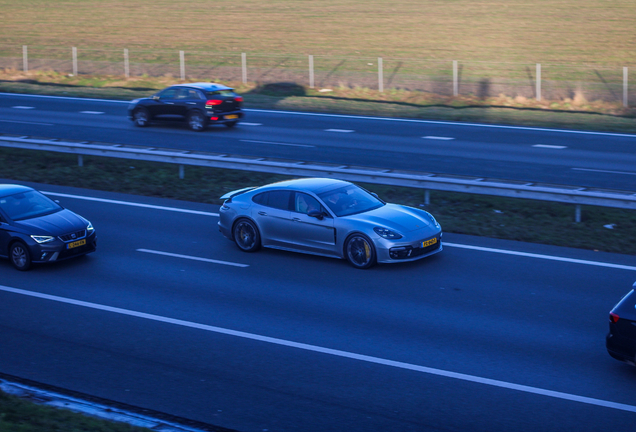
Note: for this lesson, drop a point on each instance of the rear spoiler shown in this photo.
(230, 195)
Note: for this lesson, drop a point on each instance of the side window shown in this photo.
(304, 203)
(279, 199)
(193, 94)
(261, 198)
(168, 93)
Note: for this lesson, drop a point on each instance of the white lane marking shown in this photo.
(23, 107)
(277, 143)
(550, 146)
(193, 258)
(605, 171)
(63, 97)
(329, 351)
(340, 130)
(251, 124)
(25, 122)
(132, 204)
(438, 138)
(91, 112)
(546, 257)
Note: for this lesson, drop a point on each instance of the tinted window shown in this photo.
(220, 93)
(168, 93)
(304, 203)
(276, 199)
(28, 205)
(349, 200)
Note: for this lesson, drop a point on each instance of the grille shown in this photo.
(77, 235)
(408, 252)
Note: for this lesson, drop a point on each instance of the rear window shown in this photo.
(228, 93)
(276, 199)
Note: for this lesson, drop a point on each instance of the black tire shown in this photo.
(246, 235)
(196, 121)
(360, 252)
(19, 256)
(231, 124)
(141, 118)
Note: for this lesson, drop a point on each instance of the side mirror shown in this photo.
(155, 98)
(375, 195)
(316, 214)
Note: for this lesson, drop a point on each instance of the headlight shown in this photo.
(42, 239)
(90, 227)
(432, 219)
(386, 233)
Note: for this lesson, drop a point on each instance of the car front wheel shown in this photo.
(20, 256)
(141, 117)
(360, 252)
(196, 121)
(246, 235)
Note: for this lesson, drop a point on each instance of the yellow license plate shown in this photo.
(76, 244)
(231, 116)
(429, 242)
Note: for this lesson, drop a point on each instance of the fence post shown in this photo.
(25, 59)
(380, 77)
(244, 67)
(126, 64)
(182, 64)
(74, 61)
(455, 79)
(311, 71)
(427, 197)
(539, 81)
(625, 87)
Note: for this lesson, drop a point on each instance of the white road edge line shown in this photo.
(360, 117)
(132, 204)
(193, 258)
(558, 147)
(26, 122)
(23, 107)
(277, 143)
(332, 352)
(605, 171)
(546, 257)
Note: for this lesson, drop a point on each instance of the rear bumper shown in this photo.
(620, 348)
(223, 117)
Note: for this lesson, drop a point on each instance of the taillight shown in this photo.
(214, 118)
(613, 317)
(239, 98)
(213, 102)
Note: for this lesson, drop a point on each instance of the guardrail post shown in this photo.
(80, 160)
(126, 64)
(455, 79)
(311, 71)
(625, 87)
(181, 172)
(577, 213)
(25, 59)
(539, 81)
(74, 61)
(244, 67)
(182, 64)
(380, 77)
(427, 197)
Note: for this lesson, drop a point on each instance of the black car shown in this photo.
(35, 229)
(621, 339)
(199, 104)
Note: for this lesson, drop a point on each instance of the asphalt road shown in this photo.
(171, 316)
(589, 159)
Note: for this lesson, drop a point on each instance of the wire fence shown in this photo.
(442, 77)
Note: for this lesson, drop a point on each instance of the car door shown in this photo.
(310, 233)
(186, 100)
(163, 104)
(271, 214)
(4, 236)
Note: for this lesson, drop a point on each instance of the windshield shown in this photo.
(28, 205)
(349, 200)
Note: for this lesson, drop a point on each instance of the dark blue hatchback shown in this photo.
(621, 339)
(35, 229)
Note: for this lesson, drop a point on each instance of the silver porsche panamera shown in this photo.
(331, 218)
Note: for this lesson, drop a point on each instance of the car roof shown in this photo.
(11, 189)
(205, 86)
(315, 184)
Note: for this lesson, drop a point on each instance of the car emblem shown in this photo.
(73, 235)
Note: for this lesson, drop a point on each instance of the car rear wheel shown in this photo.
(246, 235)
(196, 121)
(141, 117)
(20, 256)
(231, 124)
(360, 252)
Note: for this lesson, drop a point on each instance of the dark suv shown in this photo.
(200, 104)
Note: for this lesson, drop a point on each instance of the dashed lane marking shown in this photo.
(557, 147)
(193, 258)
(438, 138)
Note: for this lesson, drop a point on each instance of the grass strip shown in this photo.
(601, 228)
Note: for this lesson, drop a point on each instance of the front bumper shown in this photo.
(59, 251)
(389, 251)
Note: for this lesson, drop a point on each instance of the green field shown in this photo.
(567, 31)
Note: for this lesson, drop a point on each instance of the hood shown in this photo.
(55, 224)
(395, 217)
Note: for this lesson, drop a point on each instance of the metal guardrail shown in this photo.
(421, 180)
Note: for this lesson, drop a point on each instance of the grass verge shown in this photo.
(601, 229)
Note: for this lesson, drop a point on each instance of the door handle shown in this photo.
(191, 103)
(169, 103)
(296, 219)
(262, 213)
